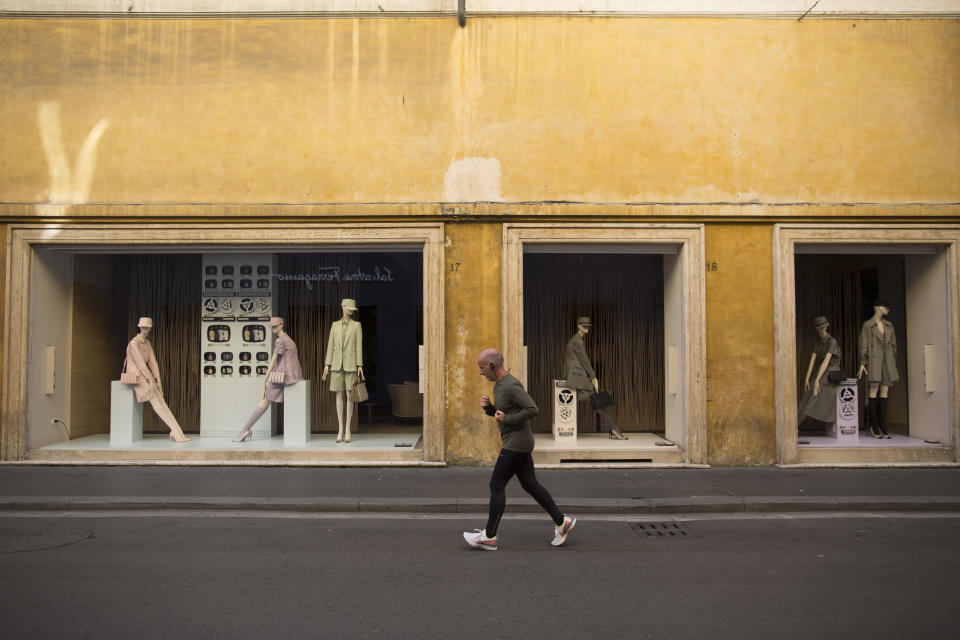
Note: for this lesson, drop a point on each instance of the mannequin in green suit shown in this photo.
(344, 363)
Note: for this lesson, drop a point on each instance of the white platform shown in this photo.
(296, 414)
(126, 415)
(820, 439)
(319, 441)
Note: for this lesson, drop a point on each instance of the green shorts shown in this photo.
(342, 380)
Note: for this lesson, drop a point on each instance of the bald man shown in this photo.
(512, 408)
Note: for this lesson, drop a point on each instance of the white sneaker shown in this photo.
(478, 540)
(560, 533)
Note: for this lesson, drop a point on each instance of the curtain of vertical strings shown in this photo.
(623, 295)
(167, 289)
(308, 314)
(834, 290)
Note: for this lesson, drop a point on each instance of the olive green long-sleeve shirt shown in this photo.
(518, 407)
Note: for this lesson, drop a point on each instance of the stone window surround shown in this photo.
(785, 239)
(689, 238)
(23, 240)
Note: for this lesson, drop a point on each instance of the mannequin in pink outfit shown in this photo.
(142, 362)
(284, 351)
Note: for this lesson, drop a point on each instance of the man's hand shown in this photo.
(498, 416)
(484, 402)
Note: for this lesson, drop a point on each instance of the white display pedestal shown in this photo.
(564, 414)
(847, 427)
(296, 414)
(126, 415)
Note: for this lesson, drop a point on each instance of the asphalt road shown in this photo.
(273, 576)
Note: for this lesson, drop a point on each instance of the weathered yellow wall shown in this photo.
(741, 418)
(473, 294)
(375, 110)
(373, 113)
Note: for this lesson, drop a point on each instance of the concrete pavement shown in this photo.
(464, 489)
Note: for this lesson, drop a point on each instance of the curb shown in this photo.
(611, 506)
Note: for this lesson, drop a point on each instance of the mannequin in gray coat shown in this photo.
(580, 375)
(878, 360)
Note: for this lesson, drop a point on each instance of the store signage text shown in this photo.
(336, 274)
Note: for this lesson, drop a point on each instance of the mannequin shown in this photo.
(878, 360)
(580, 375)
(820, 402)
(142, 361)
(345, 362)
(285, 360)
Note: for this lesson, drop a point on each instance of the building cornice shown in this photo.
(770, 9)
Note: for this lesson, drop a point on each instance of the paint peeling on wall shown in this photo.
(473, 180)
(68, 185)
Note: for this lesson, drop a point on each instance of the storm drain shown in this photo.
(660, 529)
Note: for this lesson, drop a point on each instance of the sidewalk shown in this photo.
(464, 489)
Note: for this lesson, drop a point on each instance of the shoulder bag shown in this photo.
(127, 377)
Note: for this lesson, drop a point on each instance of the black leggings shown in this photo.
(515, 463)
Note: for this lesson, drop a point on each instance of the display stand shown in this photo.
(126, 415)
(564, 414)
(846, 429)
(296, 414)
(235, 342)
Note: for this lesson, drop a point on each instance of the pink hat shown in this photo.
(145, 322)
(276, 322)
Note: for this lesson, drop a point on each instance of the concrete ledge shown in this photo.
(584, 506)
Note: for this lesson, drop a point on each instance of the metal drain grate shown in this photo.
(660, 529)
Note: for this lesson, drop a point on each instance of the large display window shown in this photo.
(214, 317)
(873, 319)
(607, 324)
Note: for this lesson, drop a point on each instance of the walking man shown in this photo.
(512, 408)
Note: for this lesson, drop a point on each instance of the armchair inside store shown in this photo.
(210, 295)
(629, 300)
(884, 301)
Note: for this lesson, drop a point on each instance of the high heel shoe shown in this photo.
(617, 435)
(339, 439)
(244, 435)
(185, 439)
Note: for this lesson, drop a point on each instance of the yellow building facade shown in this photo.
(728, 162)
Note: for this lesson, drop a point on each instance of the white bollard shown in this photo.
(126, 415)
(296, 414)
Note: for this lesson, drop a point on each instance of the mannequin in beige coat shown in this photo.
(878, 360)
(142, 362)
(345, 362)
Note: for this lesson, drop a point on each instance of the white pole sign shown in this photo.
(848, 420)
(564, 414)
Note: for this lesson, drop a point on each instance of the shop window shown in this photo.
(623, 295)
(842, 285)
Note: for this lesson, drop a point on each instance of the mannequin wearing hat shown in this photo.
(286, 361)
(142, 362)
(344, 363)
(820, 401)
(580, 375)
(878, 361)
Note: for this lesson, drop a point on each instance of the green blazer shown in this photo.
(345, 346)
(576, 366)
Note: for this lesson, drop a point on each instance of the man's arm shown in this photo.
(528, 408)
